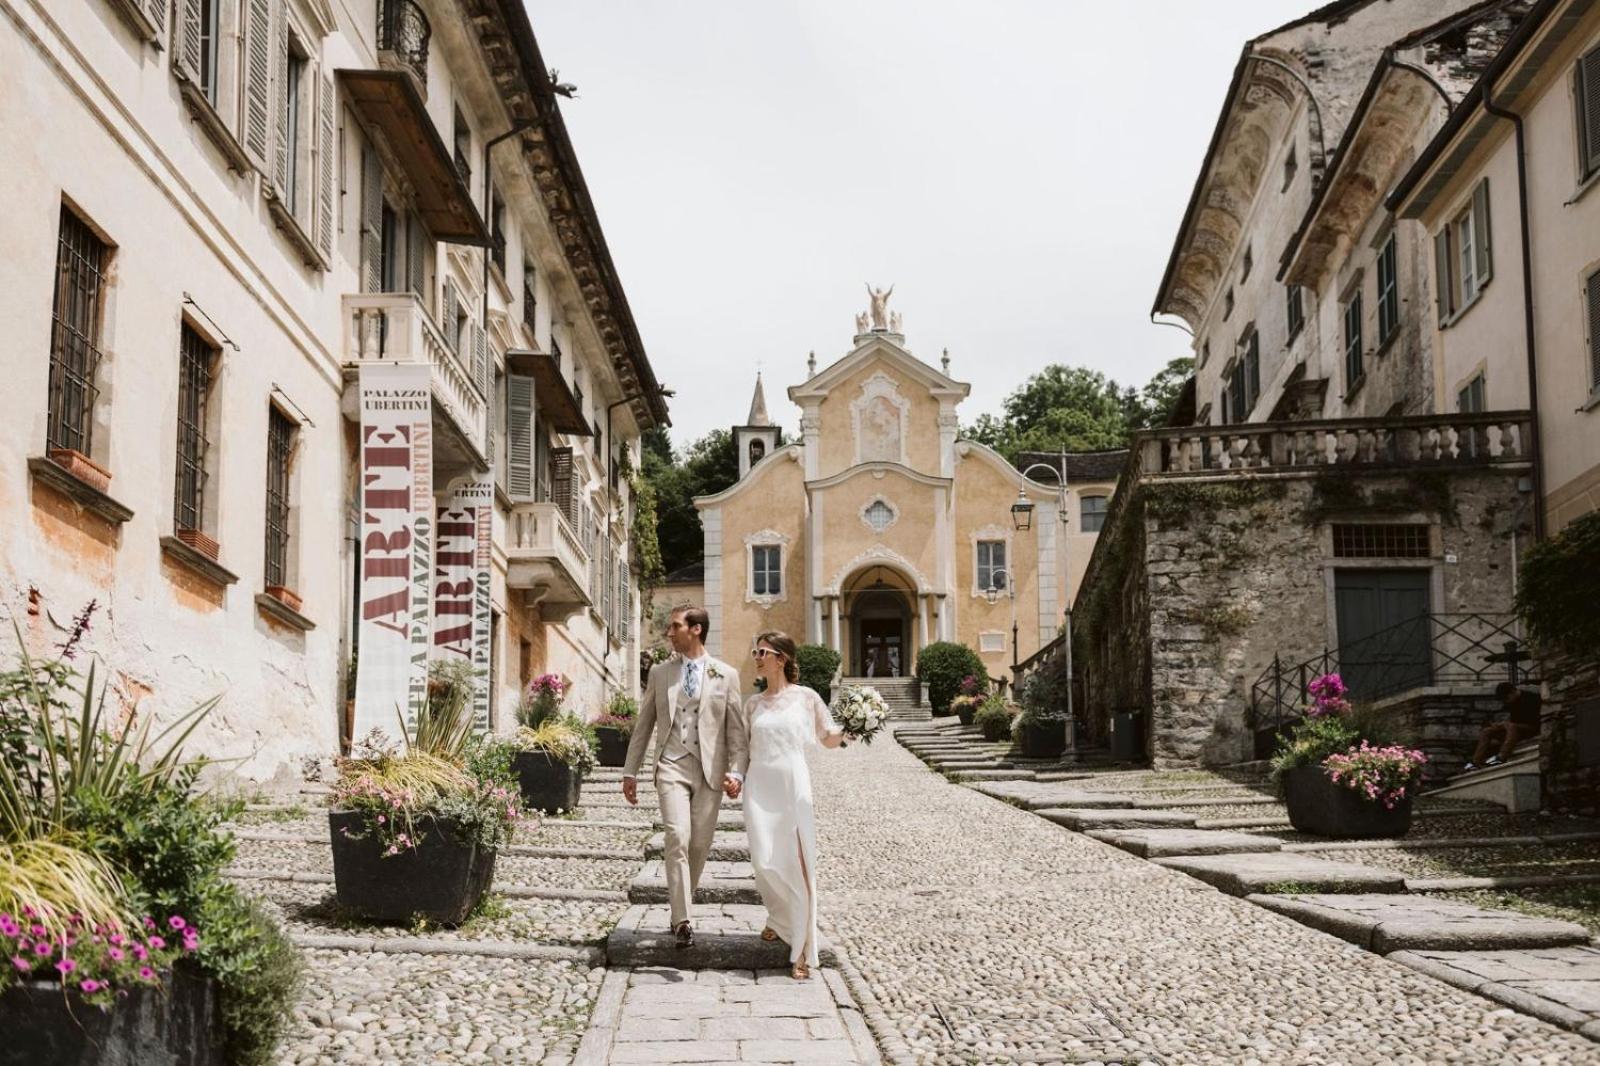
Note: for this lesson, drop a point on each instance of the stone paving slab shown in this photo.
(1037, 795)
(1115, 818)
(1160, 843)
(726, 936)
(988, 775)
(1560, 985)
(725, 847)
(726, 820)
(722, 882)
(1247, 874)
(1385, 923)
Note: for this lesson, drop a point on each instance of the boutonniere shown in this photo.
(713, 672)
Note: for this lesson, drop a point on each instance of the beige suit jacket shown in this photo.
(724, 734)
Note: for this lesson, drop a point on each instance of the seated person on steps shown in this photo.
(1522, 723)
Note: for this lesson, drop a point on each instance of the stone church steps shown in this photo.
(903, 695)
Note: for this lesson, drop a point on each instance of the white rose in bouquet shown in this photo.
(861, 712)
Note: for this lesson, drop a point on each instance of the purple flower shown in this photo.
(9, 927)
(91, 985)
(22, 964)
(147, 973)
(41, 948)
(115, 954)
(157, 943)
(66, 966)
(176, 922)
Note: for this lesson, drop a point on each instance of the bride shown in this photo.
(785, 720)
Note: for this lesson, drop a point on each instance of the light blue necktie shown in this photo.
(691, 679)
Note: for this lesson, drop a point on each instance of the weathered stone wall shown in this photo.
(1569, 750)
(1444, 724)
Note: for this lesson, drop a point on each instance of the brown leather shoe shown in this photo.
(683, 936)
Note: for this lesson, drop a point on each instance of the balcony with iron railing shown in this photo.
(545, 557)
(403, 37)
(395, 328)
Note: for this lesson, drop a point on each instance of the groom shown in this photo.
(692, 705)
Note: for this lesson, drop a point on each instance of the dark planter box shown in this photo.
(965, 714)
(613, 747)
(177, 1024)
(547, 785)
(994, 732)
(442, 879)
(1043, 738)
(1318, 805)
(1125, 746)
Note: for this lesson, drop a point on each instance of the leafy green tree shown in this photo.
(706, 466)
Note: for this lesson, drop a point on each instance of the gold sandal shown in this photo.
(769, 934)
(800, 972)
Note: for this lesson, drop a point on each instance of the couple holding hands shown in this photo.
(709, 743)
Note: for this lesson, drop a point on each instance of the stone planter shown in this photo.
(546, 784)
(177, 1024)
(965, 714)
(1318, 805)
(1042, 738)
(82, 467)
(995, 731)
(443, 878)
(613, 746)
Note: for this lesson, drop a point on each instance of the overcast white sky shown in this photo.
(1017, 169)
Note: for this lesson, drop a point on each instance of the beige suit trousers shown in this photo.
(689, 807)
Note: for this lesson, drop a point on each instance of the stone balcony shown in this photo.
(545, 558)
(396, 328)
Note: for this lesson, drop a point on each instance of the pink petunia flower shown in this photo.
(22, 964)
(91, 985)
(157, 943)
(66, 966)
(176, 922)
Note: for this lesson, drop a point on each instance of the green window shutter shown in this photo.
(257, 81)
(1443, 290)
(1481, 232)
(186, 41)
(327, 191)
(371, 220)
(519, 436)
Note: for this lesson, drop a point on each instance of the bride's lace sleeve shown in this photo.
(823, 718)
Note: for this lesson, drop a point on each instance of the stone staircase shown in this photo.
(1514, 784)
(902, 694)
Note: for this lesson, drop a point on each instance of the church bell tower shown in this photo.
(758, 437)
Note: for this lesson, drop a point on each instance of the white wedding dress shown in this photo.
(778, 814)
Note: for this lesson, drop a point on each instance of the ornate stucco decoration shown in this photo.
(878, 514)
(879, 421)
(989, 532)
(766, 538)
(879, 555)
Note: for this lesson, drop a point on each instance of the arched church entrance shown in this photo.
(878, 606)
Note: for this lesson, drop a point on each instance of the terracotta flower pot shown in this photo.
(443, 878)
(286, 596)
(82, 467)
(1320, 806)
(201, 543)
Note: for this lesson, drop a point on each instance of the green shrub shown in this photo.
(941, 666)
(818, 663)
(993, 718)
(257, 968)
(1313, 739)
(1044, 695)
(1560, 586)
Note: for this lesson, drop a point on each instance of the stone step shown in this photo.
(1160, 843)
(1514, 784)
(1281, 872)
(1209, 801)
(722, 882)
(726, 821)
(725, 847)
(1385, 923)
(1035, 795)
(1559, 985)
(726, 937)
(960, 775)
(1114, 818)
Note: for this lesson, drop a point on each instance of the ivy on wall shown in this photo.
(1560, 587)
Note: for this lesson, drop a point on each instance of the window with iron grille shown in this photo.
(1382, 541)
(280, 449)
(1294, 297)
(1092, 514)
(1352, 341)
(196, 361)
(1388, 291)
(75, 334)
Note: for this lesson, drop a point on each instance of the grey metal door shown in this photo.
(1383, 636)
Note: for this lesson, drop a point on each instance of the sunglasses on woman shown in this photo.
(761, 653)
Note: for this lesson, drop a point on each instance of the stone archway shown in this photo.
(878, 607)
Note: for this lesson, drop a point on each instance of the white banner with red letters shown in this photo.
(461, 610)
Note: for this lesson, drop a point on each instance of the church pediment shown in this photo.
(895, 361)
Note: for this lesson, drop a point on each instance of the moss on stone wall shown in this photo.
(1339, 494)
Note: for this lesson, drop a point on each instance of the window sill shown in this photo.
(1461, 311)
(282, 612)
(82, 493)
(290, 227)
(202, 111)
(133, 12)
(1384, 345)
(1355, 387)
(1583, 188)
(1592, 403)
(498, 276)
(197, 561)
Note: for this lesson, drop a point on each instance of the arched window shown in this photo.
(758, 450)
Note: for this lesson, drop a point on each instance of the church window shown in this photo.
(879, 516)
(991, 564)
(766, 565)
(1092, 514)
(758, 451)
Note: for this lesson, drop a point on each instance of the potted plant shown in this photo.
(941, 666)
(415, 832)
(555, 749)
(969, 696)
(993, 718)
(124, 942)
(1342, 771)
(613, 730)
(1041, 728)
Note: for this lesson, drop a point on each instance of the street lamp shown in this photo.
(992, 594)
(1022, 510)
(1022, 519)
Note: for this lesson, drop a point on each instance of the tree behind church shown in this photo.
(706, 466)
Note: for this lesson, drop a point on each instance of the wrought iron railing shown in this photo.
(403, 32)
(1460, 649)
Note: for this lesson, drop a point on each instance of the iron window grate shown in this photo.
(195, 360)
(280, 446)
(75, 329)
(1382, 541)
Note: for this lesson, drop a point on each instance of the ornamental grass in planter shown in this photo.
(125, 944)
(1041, 729)
(614, 729)
(994, 719)
(415, 831)
(1346, 771)
(555, 749)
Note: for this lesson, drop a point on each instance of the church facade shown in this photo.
(880, 530)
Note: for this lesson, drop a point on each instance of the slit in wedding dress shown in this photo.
(805, 875)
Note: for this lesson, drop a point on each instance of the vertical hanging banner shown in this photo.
(396, 500)
(461, 586)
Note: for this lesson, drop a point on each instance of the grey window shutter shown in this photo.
(280, 104)
(519, 436)
(327, 193)
(1481, 231)
(449, 322)
(1443, 291)
(156, 11)
(186, 40)
(1594, 331)
(416, 257)
(480, 358)
(561, 485)
(624, 602)
(1588, 109)
(257, 81)
(491, 424)
(371, 220)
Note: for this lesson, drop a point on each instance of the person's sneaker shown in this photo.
(1493, 760)
(1471, 766)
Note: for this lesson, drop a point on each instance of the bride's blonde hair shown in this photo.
(783, 644)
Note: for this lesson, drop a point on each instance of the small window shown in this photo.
(530, 299)
(766, 566)
(1249, 261)
(463, 148)
(1092, 514)
(1294, 299)
(497, 231)
(280, 453)
(1250, 368)
(197, 360)
(1593, 288)
(75, 334)
(1352, 341)
(210, 38)
(1381, 541)
(1388, 291)
(1205, 354)
(1470, 400)
(880, 516)
(1588, 112)
(991, 564)
(292, 100)
(1463, 256)
(758, 451)
(1291, 164)
(1227, 304)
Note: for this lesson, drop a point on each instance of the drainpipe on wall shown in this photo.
(1527, 306)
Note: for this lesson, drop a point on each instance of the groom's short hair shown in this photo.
(696, 616)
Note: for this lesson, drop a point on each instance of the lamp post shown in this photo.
(992, 594)
(1022, 520)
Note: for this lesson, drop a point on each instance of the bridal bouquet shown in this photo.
(861, 711)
